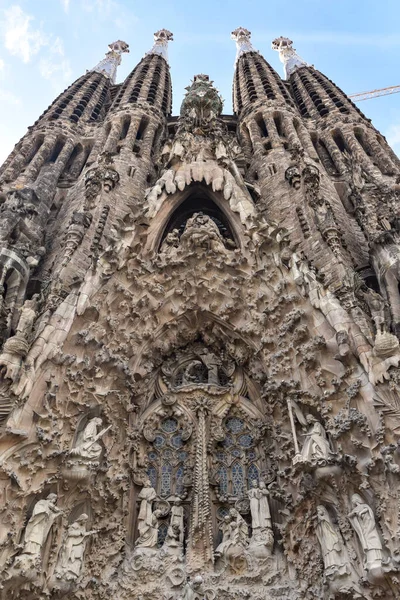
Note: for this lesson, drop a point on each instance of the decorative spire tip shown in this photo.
(161, 39)
(242, 36)
(288, 55)
(108, 66)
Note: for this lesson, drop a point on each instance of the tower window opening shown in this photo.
(278, 124)
(37, 145)
(125, 127)
(261, 125)
(339, 141)
(56, 151)
(360, 137)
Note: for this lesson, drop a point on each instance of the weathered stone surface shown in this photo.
(200, 320)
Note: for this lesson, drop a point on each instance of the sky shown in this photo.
(46, 44)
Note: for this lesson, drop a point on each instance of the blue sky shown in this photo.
(47, 44)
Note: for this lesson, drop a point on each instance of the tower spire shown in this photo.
(161, 39)
(288, 55)
(242, 36)
(108, 66)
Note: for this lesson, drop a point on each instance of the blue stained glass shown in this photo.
(152, 475)
(228, 441)
(167, 454)
(252, 474)
(246, 440)
(159, 441)
(152, 455)
(251, 455)
(169, 425)
(166, 473)
(222, 512)
(221, 456)
(177, 441)
(236, 452)
(179, 481)
(237, 480)
(182, 456)
(234, 424)
(162, 534)
(223, 480)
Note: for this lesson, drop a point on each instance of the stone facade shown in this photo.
(200, 320)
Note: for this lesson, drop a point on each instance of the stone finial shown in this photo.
(242, 36)
(161, 39)
(288, 55)
(108, 66)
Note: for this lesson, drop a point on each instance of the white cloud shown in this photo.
(20, 38)
(2, 65)
(65, 4)
(58, 72)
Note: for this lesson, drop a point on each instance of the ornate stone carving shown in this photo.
(331, 542)
(363, 520)
(44, 513)
(72, 552)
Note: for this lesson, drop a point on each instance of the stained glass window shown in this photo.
(166, 458)
(162, 534)
(236, 457)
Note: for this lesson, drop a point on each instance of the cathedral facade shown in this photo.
(200, 360)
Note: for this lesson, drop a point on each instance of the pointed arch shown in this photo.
(183, 204)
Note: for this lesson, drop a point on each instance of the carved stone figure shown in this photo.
(259, 507)
(27, 317)
(193, 589)
(89, 450)
(72, 552)
(262, 537)
(149, 531)
(225, 528)
(43, 516)
(335, 561)
(316, 446)
(376, 304)
(363, 520)
(176, 521)
(147, 495)
(201, 231)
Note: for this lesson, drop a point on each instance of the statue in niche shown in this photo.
(44, 513)
(261, 523)
(176, 521)
(27, 317)
(202, 370)
(259, 507)
(235, 540)
(334, 557)
(201, 231)
(193, 373)
(173, 543)
(363, 521)
(262, 538)
(226, 536)
(148, 521)
(89, 450)
(73, 550)
(171, 244)
(316, 447)
(376, 305)
(149, 532)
